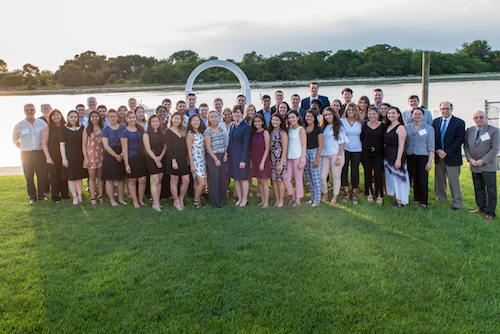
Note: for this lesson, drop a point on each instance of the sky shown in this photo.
(46, 33)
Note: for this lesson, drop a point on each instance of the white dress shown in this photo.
(199, 155)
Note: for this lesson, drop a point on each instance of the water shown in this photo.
(466, 96)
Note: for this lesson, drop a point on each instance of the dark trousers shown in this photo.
(58, 181)
(34, 162)
(373, 161)
(485, 189)
(419, 177)
(218, 180)
(354, 158)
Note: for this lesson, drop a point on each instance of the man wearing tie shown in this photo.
(481, 148)
(450, 134)
(307, 102)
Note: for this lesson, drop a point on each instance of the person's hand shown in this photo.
(441, 154)
(280, 167)
(301, 164)
(49, 161)
(428, 166)
(225, 157)
(119, 158)
(65, 163)
(479, 163)
(85, 162)
(242, 165)
(397, 164)
(261, 166)
(159, 164)
(193, 168)
(337, 162)
(128, 169)
(174, 164)
(316, 163)
(217, 162)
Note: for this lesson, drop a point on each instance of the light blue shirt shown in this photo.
(427, 117)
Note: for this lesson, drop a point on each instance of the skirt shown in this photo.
(112, 170)
(138, 166)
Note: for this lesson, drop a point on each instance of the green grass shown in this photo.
(348, 269)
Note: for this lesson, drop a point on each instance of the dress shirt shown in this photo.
(28, 136)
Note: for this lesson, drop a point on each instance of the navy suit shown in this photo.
(306, 103)
(449, 168)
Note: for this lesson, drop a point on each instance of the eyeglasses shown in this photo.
(478, 117)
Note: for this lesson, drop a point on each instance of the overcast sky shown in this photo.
(46, 33)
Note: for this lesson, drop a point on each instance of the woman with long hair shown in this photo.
(278, 152)
(363, 104)
(196, 153)
(93, 155)
(313, 157)
(134, 159)
(352, 123)
(51, 148)
(113, 168)
(249, 116)
(259, 148)
(337, 107)
(156, 147)
(283, 110)
(122, 114)
(396, 175)
(372, 157)
(216, 149)
(296, 157)
(334, 139)
(237, 155)
(177, 165)
(70, 143)
(384, 108)
(140, 115)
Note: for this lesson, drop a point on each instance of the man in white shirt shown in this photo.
(27, 135)
(219, 104)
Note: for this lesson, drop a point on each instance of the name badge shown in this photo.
(422, 132)
(485, 137)
(25, 132)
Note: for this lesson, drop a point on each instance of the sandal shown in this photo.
(93, 201)
(347, 197)
(354, 199)
(295, 204)
(370, 199)
(379, 201)
(101, 200)
(198, 205)
(80, 198)
(75, 200)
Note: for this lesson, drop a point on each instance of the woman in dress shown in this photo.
(250, 114)
(70, 138)
(113, 168)
(334, 139)
(297, 140)
(156, 147)
(216, 149)
(196, 152)
(384, 108)
(177, 158)
(372, 157)
(313, 157)
(420, 152)
(50, 143)
(259, 148)
(363, 104)
(352, 123)
(134, 160)
(122, 114)
(237, 155)
(279, 149)
(396, 176)
(93, 154)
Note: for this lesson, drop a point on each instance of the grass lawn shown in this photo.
(345, 269)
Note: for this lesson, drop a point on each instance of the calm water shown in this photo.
(466, 96)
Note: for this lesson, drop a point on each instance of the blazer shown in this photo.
(486, 149)
(453, 140)
(306, 103)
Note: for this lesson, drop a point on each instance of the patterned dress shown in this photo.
(95, 149)
(199, 153)
(276, 151)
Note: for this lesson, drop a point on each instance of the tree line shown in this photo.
(91, 69)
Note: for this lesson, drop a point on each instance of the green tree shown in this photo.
(12, 80)
(181, 56)
(478, 49)
(30, 70)
(71, 75)
(112, 79)
(3, 66)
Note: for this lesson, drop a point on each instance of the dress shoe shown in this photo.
(476, 211)
(488, 218)
(455, 209)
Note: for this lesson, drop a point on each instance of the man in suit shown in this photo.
(449, 136)
(266, 110)
(278, 97)
(481, 145)
(313, 89)
(295, 100)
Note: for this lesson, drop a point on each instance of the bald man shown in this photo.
(482, 143)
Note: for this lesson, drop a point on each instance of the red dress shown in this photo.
(257, 148)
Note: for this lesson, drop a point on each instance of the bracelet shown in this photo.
(339, 157)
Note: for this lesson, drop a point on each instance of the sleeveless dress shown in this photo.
(176, 149)
(156, 143)
(397, 181)
(95, 150)
(199, 153)
(73, 143)
(257, 149)
(276, 151)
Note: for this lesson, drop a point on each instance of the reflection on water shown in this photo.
(466, 96)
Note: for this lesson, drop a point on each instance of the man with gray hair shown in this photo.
(45, 109)
(481, 145)
(92, 104)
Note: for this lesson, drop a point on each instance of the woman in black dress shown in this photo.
(155, 146)
(177, 158)
(70, 138)
(372, 156)
(51, 148)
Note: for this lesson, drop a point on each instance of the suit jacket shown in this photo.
(453, 140)
(486, 149)
(306, 103)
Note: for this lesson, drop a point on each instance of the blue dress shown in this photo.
(238, 150)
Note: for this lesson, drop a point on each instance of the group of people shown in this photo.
(197, 150)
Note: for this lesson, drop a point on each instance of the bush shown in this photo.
(32, 84)
(12, 80)
(121, 81)
(112, 79)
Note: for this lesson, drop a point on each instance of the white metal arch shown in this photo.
(245, 84)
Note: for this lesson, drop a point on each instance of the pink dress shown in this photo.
(257, 149)
(95, 149)
(276, 150)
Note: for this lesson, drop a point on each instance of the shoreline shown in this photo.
(254, 85)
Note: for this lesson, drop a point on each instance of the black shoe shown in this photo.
(455, 209)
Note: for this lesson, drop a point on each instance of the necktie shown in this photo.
(443, 130)
(477, 137)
